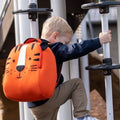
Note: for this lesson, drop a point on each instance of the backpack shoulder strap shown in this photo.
(59, 73)
(44, 44)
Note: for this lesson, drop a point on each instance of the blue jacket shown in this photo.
(65, 52)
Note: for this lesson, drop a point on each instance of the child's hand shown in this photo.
(105, 37)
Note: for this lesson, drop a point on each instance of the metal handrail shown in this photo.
(7, 2)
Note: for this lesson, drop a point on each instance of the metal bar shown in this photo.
(24, 33)
(34, 24)
(21, 110)
(4, 7)
(24, 28)
(108, 81)
(74, 67)
(118, 29)
(17, 39)
(33, 29)
(16, 23)
(106, 47)
(59, 9)
(34, 34)
(84, 63)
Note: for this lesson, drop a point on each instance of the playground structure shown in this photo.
(63, 114)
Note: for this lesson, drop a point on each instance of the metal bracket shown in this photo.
(103, 6)
(107, 66)
(32, 11)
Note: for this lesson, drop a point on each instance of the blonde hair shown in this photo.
(55, 24)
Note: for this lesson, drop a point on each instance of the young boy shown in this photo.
(57, 31)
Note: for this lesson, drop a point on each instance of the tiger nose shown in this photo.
(20, 68)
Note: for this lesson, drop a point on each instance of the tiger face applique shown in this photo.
(22, 59)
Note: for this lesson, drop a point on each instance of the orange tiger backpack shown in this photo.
(30, 72)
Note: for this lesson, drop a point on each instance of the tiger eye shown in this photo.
(29, 58)
(13, 60)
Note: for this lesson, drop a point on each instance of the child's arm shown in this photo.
(67, 52)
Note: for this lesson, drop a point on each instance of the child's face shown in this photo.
(65, 39)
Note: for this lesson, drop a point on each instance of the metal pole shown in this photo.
(59, 9)
(118, 28)
(34, 24)
(17, 38)
(25, 25)
(21, 110)
(33, 29)
(74, 66)
(108, 81)
(16, 22)
(84, 63)
(33, 34)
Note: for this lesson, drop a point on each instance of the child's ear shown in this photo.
(53, 36)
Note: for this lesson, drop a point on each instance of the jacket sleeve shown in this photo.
(72, 51)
